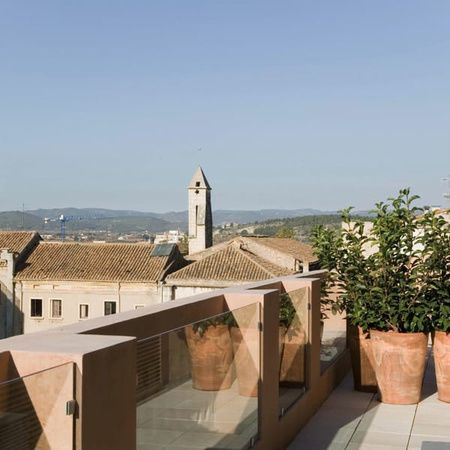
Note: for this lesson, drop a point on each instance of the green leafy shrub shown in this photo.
(434, 273)
(394, 276)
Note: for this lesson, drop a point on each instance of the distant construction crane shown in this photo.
(63, 219)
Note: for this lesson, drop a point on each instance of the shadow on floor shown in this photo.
(435, 446)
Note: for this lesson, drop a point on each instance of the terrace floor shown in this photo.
(356, 420)
(183, 418)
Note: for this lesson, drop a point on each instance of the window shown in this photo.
(36, 307)
(56, 309)
(197, 184)
(84, 311)
(138, 306)
(110, 308)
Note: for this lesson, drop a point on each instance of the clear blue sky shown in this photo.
(294, 104)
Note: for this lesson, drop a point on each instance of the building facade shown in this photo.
(15, 246)
(62, 283)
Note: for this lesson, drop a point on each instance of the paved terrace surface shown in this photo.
(356, 420)
(187, 419)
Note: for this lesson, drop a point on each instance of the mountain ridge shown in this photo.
(121, 221)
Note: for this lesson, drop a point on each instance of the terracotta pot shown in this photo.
(246, 343)
(441, 351)
(292, 370)
(360, 346)
(399, 361)
(211, 358)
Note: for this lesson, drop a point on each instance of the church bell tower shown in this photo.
(200, 214)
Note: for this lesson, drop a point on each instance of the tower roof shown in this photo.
(199, 180)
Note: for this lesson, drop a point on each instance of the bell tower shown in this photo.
(200, 214)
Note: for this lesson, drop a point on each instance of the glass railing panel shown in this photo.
(33, 410)
(293, 347)
(197, 386)
(333, 334)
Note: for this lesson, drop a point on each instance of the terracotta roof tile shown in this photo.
(230, 264)
(93, 262)
(292, 247)
(16, 241)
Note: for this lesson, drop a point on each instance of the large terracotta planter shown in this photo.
(441, 351)
(211, 358)
(246, 342)
(399, 362)
(360, 346)
(292, 368)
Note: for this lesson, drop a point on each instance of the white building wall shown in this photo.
(126, 295)
(178, 292)
(186, 291)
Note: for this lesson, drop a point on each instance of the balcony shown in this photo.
(356, 420)
(144, 379)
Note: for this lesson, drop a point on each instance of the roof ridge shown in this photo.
(18, 231)
(246, 253)
(205, 259)
(147, 244)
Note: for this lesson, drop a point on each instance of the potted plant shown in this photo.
(397, 314)
(435, 286)
(211, 353)
(342, 253)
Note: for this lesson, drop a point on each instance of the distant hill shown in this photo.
(123, 221)
(89, 212)
(16, 220)
(88, 219)
(180, 218)
(222, 216)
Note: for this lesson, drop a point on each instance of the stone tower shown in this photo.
(200, 214)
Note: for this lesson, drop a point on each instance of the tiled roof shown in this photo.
(292, 247)
(17, 241)
(230, 264)
(93, 262)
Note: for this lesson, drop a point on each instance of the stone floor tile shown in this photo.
(380, 438)
(168, 424)
(388, 418)
(157, 437)
(316, 445)
(183, 447)
(205, 440)
(150, 447)
(337, 417)
(424, 442)
(356, 446)
(432, 429)
(318, 432)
